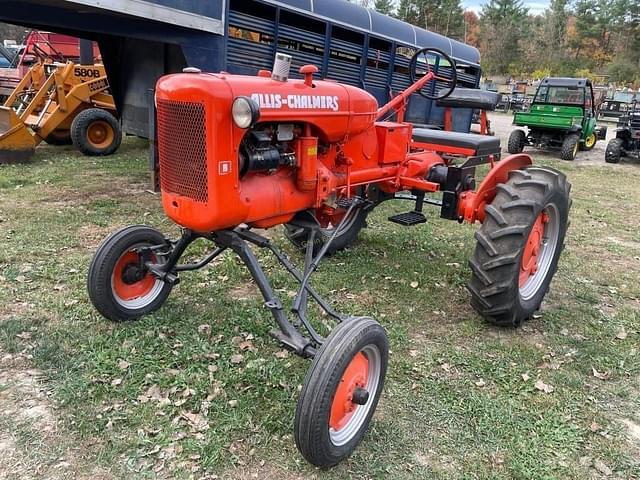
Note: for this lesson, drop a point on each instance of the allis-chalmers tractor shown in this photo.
(239, 153)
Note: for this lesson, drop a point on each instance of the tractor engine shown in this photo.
(255, 150)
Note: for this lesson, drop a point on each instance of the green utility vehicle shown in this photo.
(562, 116)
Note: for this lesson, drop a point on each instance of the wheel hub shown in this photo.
(351, 392)
(529, 264)
(129, 280)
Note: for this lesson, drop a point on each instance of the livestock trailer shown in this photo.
(141, 40)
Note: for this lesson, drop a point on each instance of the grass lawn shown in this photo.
(199, 389)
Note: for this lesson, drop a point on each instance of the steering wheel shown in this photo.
(423, 63)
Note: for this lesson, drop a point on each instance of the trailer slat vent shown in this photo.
(182, 146)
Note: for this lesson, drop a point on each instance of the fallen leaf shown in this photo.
(123, 364)
(116, 381)
(602, 467)
(525, 377)
(594, 427)
(564, 332)
(233, 403)
(622, 334)
(236, 359)
(414, 284)
(196, 421)
(543, 387)
(281, 354)
(247, 345)
(480, 383)
(601, 375)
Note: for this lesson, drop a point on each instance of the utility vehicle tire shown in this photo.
(96, 132)
(117, 287)
(517, 141)
(570, 147)
(519, 245)
(59, 137)
(341, 391)
(298, 236)
(589, 142)
(613, 154)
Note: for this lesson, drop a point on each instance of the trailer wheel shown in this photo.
(96, 132)
(346, 236)
(614, 151)
(341, 391)
(517, 141)
(59, 137)
(570, 147)
(119, 287)
(519, 245)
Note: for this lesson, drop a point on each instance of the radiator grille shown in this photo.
(182, 146)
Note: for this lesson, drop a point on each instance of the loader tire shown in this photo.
(59, 137)
(96, 132)
(519, 245)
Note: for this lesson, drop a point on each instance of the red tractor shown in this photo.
(238, 153)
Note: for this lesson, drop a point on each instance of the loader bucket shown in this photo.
(17, 143)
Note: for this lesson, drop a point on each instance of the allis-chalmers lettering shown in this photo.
(295, 102)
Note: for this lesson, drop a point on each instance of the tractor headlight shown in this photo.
(245, 112)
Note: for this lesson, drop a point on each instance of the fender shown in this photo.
(471, 205)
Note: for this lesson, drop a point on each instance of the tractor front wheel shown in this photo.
(517, 141)
(614, 151)
(96, 132)
(119, 284)
(341, 391)
(570, 147)
(519, 245)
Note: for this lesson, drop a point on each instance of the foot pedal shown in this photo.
(408, 219)
(345, 202)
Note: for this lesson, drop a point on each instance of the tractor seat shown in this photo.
(471, 98)
(480, 145)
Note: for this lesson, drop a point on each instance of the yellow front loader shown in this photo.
(59, 103)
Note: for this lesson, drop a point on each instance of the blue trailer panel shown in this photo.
(141, 40)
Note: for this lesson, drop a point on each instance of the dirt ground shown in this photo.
(35, 442)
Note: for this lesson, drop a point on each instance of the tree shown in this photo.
(471, 28)
(384, 6)
(440, 16)
(503, 26)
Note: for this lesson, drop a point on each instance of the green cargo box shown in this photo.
(550, 116)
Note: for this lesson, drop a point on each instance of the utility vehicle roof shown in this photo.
(566, 82)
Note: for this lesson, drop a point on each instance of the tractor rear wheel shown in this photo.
(570, 147)
(341, 391)
(614, 151)
(519, 245)
(96, 132)
(517, 141)
(345, 237)
(119, 285)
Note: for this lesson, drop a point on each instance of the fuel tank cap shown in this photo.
(191, 70)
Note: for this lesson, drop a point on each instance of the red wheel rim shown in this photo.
(330, 217)
(343, 407)
(126, 290)
(529, 263)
